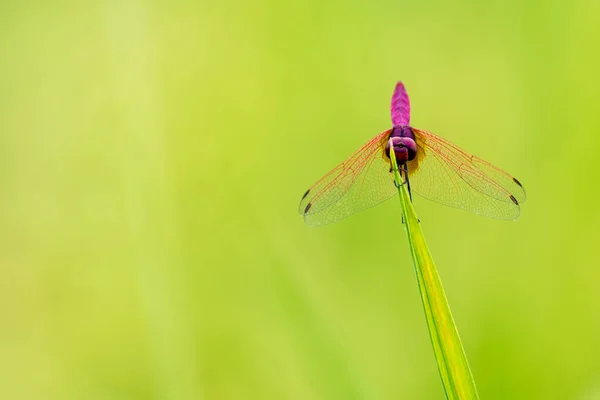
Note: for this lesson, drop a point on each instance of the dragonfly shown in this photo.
(430, 166)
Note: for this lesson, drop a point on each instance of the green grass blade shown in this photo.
(450, 356)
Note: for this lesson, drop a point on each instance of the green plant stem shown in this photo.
(453, 366)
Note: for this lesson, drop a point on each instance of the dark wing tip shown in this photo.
(517, 182)
(306, 194)
(514, 200)
(307, 207)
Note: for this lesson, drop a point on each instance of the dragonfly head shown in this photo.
(404, 144)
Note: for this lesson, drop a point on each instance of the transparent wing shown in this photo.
(445, 173)
(360, 182)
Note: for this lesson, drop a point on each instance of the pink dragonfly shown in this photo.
(431, 166)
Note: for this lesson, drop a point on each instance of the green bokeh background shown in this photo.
(152, 156)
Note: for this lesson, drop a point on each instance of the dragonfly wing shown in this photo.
(400, 108)
(445, 173)
(507, 181)
(362, 181)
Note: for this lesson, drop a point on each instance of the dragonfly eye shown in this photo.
(404, 148)
(403, 132)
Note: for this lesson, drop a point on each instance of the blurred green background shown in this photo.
(152, 156)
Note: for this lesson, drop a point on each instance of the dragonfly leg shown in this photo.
(398, 185)
(406, 180)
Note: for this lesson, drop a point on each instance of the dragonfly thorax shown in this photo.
(403, 140)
